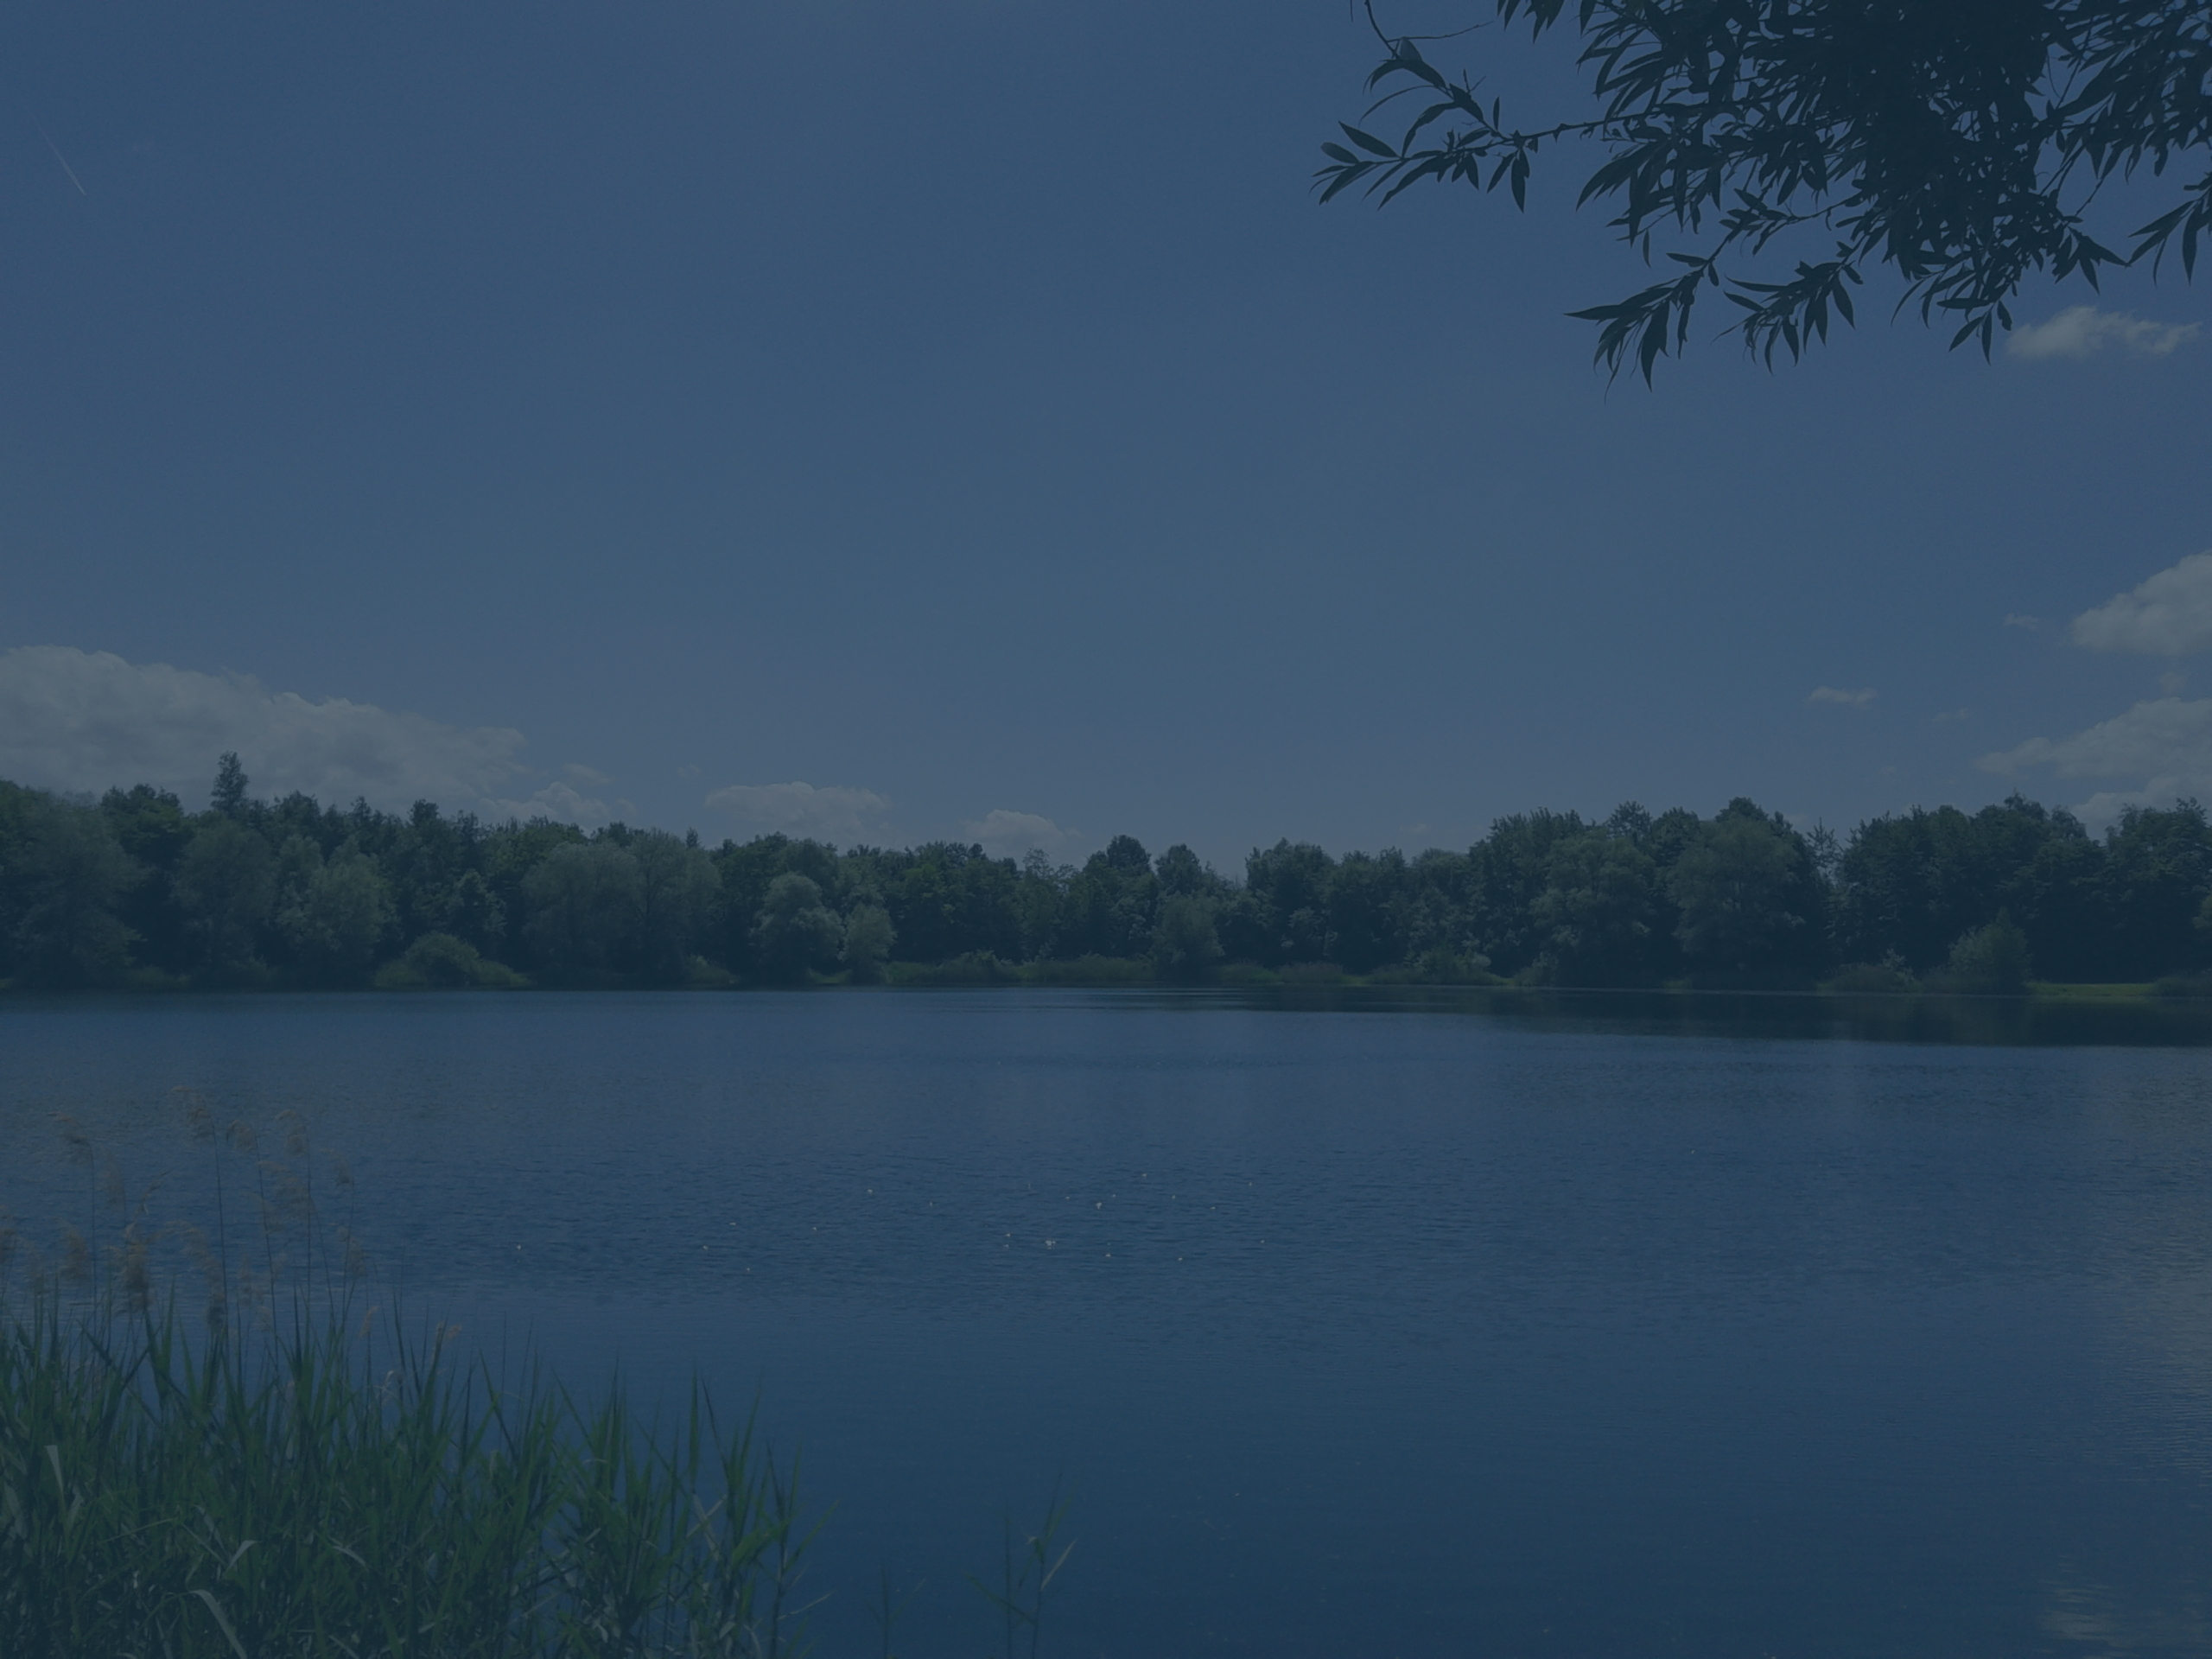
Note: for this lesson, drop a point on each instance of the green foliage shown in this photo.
(1749, 899)
(677, 886)
(469, 909)
(970, 968)
(439, 961)
(2191, 985)
(332, 913)
(137, 891)
(1885, 978)
(794, 933)
(63, 875)
(869, 938)
(228, 796)
(2158, 867)
(295, 1477)
(1960, 144)
(151, 828)
(1289, 921)
(1090, 971)
(226, 885)
(585, 903)
(1598, 912)
(1026, 1572)
(298, 1476)
(1109, 905)
(301, 1493)
(2122, 909)
(1989, 960)
(1508, 872)
(1185, 945)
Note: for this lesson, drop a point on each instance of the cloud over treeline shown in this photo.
(2162, 746)
(561, 799)
(2169, 614)
(2166, 741)
(1008, 835)
(836, 813)
(87, 721)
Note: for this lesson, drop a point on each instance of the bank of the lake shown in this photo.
(134, 891)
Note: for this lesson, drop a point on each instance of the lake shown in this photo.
(1387, 1327)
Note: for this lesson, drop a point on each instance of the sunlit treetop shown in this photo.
(1964, 142)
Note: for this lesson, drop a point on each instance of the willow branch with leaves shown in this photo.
(1962, 143)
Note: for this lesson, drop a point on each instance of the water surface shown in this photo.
(1396, 1329)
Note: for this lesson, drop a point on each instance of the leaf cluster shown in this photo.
(1960, 143)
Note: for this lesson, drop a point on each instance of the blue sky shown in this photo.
(960, 409)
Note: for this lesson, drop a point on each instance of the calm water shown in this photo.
(1355, 1332)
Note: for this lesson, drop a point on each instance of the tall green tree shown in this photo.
(332, 913)
(1510, 870)
(152, 829)
(1363, 911)
(1958, 144)
(468, 911)
(1751, 902)
(869, 938)
(1910, 885)
(795, 932)
(1289, 884)
(1599, 912)
(947, 900)
(678, 886)
(1184, 942)
(583, 904)
(62, 877)
(2158, 872)
(1110, 905)
(228, 796)
(1039, 900)
(1432, 923)
(225, 884)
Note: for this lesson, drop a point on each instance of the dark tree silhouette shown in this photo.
(1962, 143)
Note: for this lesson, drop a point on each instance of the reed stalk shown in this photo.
(229, 1496)
(266, 1470)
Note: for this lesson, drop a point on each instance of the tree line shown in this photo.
(132, 890)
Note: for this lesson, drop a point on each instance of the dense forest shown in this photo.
(132, 890)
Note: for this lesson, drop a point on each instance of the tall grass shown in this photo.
(289, 1495)
(1026, 1571)
(270, 1469)
(293, 1475)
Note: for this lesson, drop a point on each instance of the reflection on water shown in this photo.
(1402, 1323)
(2008, 1021)
(2170, 1617)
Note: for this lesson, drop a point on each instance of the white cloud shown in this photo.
(2016, 620)
(834, 814)
(1858, 699)
(75, 720)
(565, 801)
(2083, 331)
(1006, 834)
(2165, 742)
(2168, 615)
